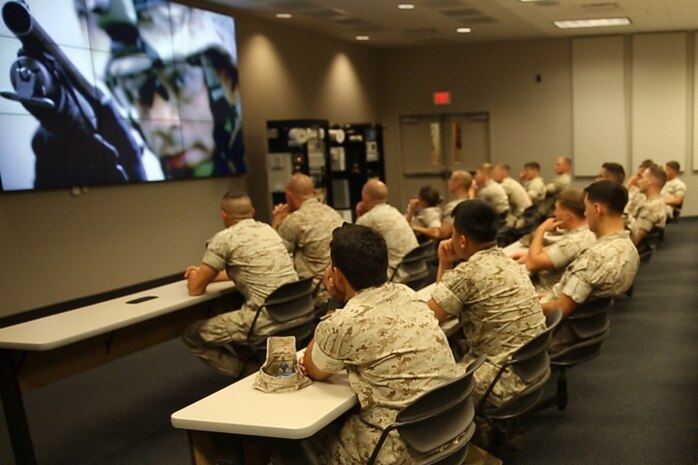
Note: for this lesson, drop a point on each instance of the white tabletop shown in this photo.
(242, 409)
(84, 322)
(515, 247)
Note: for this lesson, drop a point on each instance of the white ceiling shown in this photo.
(435, 21)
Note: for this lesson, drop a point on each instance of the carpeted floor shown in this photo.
(635, 404)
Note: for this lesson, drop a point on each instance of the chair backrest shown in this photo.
(436, 418)
(532, 363)
(591, 318)
(414, 263)
(291, 300)
(292, 306)
(591, 324)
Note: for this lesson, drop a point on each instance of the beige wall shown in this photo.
(532, 120)
(529, 120)
(56, 247)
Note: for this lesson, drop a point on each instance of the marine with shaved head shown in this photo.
(305, 226)
(253, 256)
(373, 211)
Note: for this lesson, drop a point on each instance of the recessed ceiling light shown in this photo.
(362, 37)
(284, 15)
(463, 30)
(598, 22)
(405, 6)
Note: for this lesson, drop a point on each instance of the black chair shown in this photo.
(414, 265)
(530, 362)
(438, 424)
(530, 222)
(291, 307)
(435, 419)
(590, 324)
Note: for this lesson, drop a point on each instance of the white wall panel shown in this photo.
(659, 97)
(599, 131)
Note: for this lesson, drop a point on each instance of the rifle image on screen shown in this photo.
(81, 139)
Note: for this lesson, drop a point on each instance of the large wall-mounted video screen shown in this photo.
(101, 92)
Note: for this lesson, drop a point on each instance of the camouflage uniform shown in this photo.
(307, 233)
(496, 304)
(535, 188)
(256, 260)
(429, 217)
(393, 350)
(559, 184)
(672, 188)
(563, 252)
(495, 195)
(650, 214)
(635, 199)
(447, 214)
(518, 201)
(397, 232)
(606, 269)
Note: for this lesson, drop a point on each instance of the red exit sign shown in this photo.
(442, 98)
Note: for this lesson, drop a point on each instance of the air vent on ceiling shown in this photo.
(423, 33)
(462, 12)
(352, 22)
(443, 4)
(478, 20)
(322, 14)
(295, 5)
(370, 29)
(601, 8)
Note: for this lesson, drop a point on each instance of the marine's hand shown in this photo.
(301, 364)
(190, 271)
(279, 213)
(446, 252)
(360, 209)
(551, 224)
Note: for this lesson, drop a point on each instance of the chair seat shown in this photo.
(580, 352)
(522, 403)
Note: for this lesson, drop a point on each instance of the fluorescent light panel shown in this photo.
(597, 22)
(362, 37)
(284, 15)
(463, 30)
(405, 6)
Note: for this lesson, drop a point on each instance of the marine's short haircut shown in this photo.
(476, 219)
(486, 168)
(612, 195)
(616, 170)
(657, 173)
(430, 195)
(573, 200)
(532, 164)
(237, 204)
(646, 163)
(674, 165)
(361, 254)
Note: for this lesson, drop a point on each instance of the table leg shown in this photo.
(13, 405)
(203, 451)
